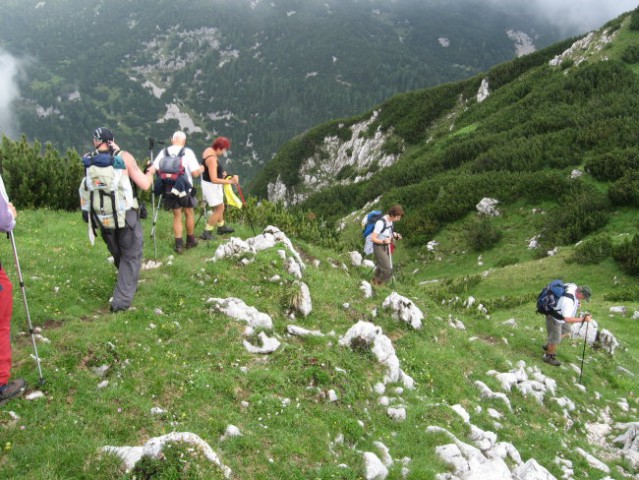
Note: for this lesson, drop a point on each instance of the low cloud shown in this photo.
(572, 15)
(9, 91)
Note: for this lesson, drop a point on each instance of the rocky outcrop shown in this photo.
(362, 152)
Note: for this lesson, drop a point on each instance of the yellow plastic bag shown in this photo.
(231, 198)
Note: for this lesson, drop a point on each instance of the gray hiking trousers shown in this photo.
(126, 245)
(383, 269)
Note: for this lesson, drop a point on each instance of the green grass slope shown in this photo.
(174, 353)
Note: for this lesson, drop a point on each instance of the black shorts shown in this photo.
(171, 202)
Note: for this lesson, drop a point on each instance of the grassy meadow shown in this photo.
(174, 353)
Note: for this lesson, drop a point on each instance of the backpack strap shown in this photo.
(385, 225)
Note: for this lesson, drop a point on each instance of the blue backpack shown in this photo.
(369, 222)
(549, 297)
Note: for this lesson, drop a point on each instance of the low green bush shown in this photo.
(481, 234)
(592, 251)
(577, 215)
(626, 294)
(630, 54)
(24, 166)
(634, 19)
(505, 261)
(507, 302)
(625, 191)
(626, 255)
(613, 164)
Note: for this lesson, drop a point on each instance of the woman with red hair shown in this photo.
(212, 185)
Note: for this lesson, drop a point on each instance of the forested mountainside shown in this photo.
(258, 72)
(514, 133)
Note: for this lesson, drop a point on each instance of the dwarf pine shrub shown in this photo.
(625, 191)
(592, 251)
(23, 166)
(626, 255)
(613, 164)
(630, 54)
(576, 216)
(634, 19)
(481, 234)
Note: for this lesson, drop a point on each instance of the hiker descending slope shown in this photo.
(16, 387)
(213, 180)
(382, 238)
(560, 302)
(176, 166)
(108, 203)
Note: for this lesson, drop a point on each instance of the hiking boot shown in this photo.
(179, 245)
(207, 235)
(224, 229)
(191, 242)
(13, 389)
(114, 309)
(551, 360)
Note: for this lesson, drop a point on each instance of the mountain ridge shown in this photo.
(539, 112)
(256, 72)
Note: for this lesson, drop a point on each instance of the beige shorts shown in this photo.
(556, 329)
(213, 193)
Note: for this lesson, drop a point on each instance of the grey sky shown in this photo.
(582, 15)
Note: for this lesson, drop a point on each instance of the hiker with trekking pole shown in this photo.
(382, 239)
(176, 166)
(559, 302)
(213, 181)
(16, 387)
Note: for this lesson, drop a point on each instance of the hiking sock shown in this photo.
(191, 241)
(220, 223)
(208, 228)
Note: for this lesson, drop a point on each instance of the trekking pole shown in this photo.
(239, 190)
(155, 219)
(583, 354)
(204, 206)
(26, 305)
(151, 143)
(390, 259)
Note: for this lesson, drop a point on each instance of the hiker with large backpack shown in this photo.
(213, 180)
(176, 166)
(559, 302)
(16, 387)
(381, 238)
(109, 204)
